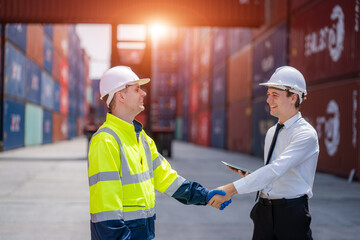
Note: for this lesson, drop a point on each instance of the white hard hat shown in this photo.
(116, 79)
(288, 78)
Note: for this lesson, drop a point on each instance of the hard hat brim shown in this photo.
(143, 81)
(282, 87)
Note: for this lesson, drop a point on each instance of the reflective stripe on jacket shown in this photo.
(123, 173)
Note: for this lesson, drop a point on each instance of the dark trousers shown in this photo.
(281, 219)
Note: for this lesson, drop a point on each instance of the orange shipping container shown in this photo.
(35, 43)
(60, 127)
(56, 65)
(203, 129)
(64, 72)
(239, 126)
(240, 75)
(64, 100)
(61, 39)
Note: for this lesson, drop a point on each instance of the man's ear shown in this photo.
(119, 95)
(294, 98)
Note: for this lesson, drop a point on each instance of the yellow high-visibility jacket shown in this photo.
(123, 174)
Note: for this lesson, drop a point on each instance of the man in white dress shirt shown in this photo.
(285, 183)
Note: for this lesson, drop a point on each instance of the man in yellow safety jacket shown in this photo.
(125, 167)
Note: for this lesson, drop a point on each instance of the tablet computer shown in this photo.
(243, 170)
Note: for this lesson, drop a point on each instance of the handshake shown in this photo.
(220, 198)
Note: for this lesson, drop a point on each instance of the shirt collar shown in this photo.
(292, 120)
(119, 123)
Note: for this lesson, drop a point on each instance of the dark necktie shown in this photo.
(271, 149)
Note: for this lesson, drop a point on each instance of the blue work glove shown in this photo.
(220, 192)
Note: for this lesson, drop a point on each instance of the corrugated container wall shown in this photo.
(219, 84)
(33, 82)
(16, 33)
(239, 126)
(238, 38)
(14, 124)
(33, 124)
(269, 54)
(218, 127)
(48, 54)
(325, 46)
(35, 43)
(14, 71)
(47, 126)
(61, 39)
(240, 75)
(36, 84)
(333, 110)
(220, 47)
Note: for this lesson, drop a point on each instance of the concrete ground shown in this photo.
(44, 195)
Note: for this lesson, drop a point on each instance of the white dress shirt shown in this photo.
(291, 170)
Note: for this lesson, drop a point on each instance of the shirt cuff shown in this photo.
(240, 185)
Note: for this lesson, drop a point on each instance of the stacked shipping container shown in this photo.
(36, 83)
(324, 47)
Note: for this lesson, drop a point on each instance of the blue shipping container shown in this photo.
(14, 72)
(56, 96)
(218, 128)
(47, 126)
(48, 54)
(72, 127)
(72, 103)
(14, 124)
(185, 128)
(219, 45)
(238, 38)
(219, 86)
(33, 82)
(269, 54)
(261, 122)
(49, 30)
(16, 33)
(47, 91)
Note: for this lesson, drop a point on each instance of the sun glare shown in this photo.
(158, 30)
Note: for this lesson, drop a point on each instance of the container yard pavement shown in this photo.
(44, 195)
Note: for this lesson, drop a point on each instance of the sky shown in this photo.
(96, 40)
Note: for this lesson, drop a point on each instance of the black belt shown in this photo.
(283, 201)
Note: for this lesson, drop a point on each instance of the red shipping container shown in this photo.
(239, 126)
(193, 128)
(195, 54)
(326, 45)
(194, 97)
(64, 99)
(61, 39)
(333, 110)
(276, 13)
(179, 103)
(240, 75)
(60, 127)
(205, 55)
(35, 43)
(64, 73)
(80, 126)
(204, 93)
(298, 4)
(203, 128)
